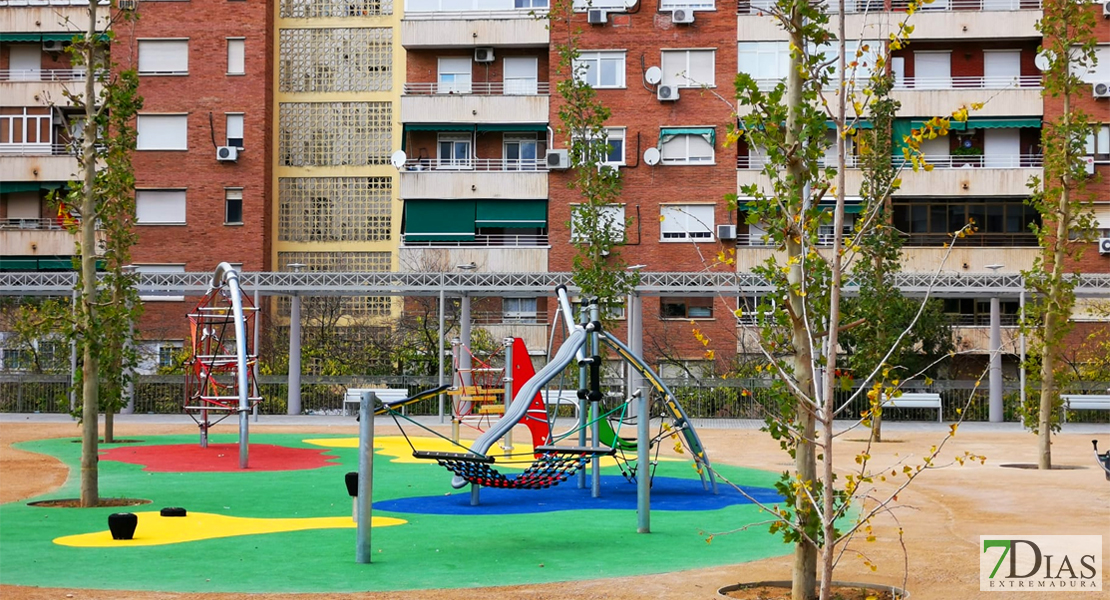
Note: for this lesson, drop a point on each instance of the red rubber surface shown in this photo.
(191, 458)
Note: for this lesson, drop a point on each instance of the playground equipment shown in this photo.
(1102, 459)
(551, 463)
(220, 379)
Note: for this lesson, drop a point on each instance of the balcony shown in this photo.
(964, 258)
(36, 237)
(511, 102)
(1001, 96)
(469, 23)
(943, 19)
(995, 175)
(524, 179)
(493, 259)
(482, 241)
(34, 87)
(37, 162)
(49, 16)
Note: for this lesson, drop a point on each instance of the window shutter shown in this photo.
(236, 57)
(163, 132)
(163, 56)
(160, 207)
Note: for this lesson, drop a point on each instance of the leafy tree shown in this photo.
(1063, 202)
(107, 306)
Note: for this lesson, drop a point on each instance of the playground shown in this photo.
(521, 546)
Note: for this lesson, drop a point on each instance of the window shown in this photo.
(601, 69)
(236, 56)
(1001, 221)
(689, 68)
(754, 310)
(974, 312)
(766, 62)
(687, 145)
(519, 310)
(454, 151)
(521, 151)
(163, 57)
(454, 75)
(1095, 73)
(865, 61)
(27, 127)
(607, 4)
(1098, 143)
(163, 132)
(531, 4)
(163, 268)
(686, 308)
(611, 215)
(235, 129)
(614, 138)
(160, 207)
(932, 70)
(233, 206)
(521, 75)
(167, 352)
(680, 222)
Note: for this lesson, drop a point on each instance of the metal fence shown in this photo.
(724, 400)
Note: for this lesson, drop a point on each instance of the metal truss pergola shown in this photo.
(947, 285)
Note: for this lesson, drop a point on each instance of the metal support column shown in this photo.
(995, 412)
(73, 366)
(294, 407)
(365, 475)
(643, 465)
(507, 445)
(256, 337)
(635, 320)
(439, 359)
(595, 395)
(1021, 343)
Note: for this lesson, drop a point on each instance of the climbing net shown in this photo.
(478, 390)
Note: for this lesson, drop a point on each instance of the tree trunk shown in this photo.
(90, 494)
(109, 426)
(804, 575)
(1055, 293)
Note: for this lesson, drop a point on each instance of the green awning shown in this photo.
(513, 127)
(439, 220)
(859, 124)
(36, 37)
(952, 125)
(511, 213)
(19, 264)
(9, 187)
(995, 123)
(56, 264)
(667, 134)
(439, 127)
(853, 205)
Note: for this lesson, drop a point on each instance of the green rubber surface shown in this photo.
(430, 551)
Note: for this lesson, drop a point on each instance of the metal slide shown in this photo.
(678, 415)
(523, 399)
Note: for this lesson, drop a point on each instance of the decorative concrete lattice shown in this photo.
(335, 133)
(307, 9)
(336, 60)
(345, 262)
(335, 209)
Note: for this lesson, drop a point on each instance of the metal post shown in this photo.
(257, 334)
(1021, 342)
(439, 363)
(294, 407)
(464, 338)
(456, 402)
(635, 321)
(365, 475)
(595, 405)
(129, 389)
(584, 411)
(508, 342)
(73, 367)
(643, 466)
(995, 412)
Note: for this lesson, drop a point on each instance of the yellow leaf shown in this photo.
(662, 218)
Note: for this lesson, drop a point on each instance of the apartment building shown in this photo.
(338, 70)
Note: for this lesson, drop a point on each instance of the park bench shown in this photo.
(385, 395)
(917, 400)
(1085, 402)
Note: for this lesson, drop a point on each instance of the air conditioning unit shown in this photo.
(726, 232)
(53, 46)
(558, 159)
(1106, 9)
(596, 16)
(483, 55)
(128, 4)
(1104, 246)
(1102, 89)
(227, 154)
(682, 15)
(667, 93)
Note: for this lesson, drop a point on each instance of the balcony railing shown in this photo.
(974, 83)
(756, 240)
(756, 7)
(472, 9)
(979, 240)
(32, 224)
(1012, 161)
(481, 88)
(957, 320)
(43, 74)
(51, 3)
(484, 241)
(37, 149)
(476, 164)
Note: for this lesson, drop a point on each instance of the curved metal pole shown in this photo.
(226, 274)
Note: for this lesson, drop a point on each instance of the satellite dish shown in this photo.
(651, 156)
(1044, 59)
(398, 159)
(653, 75)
